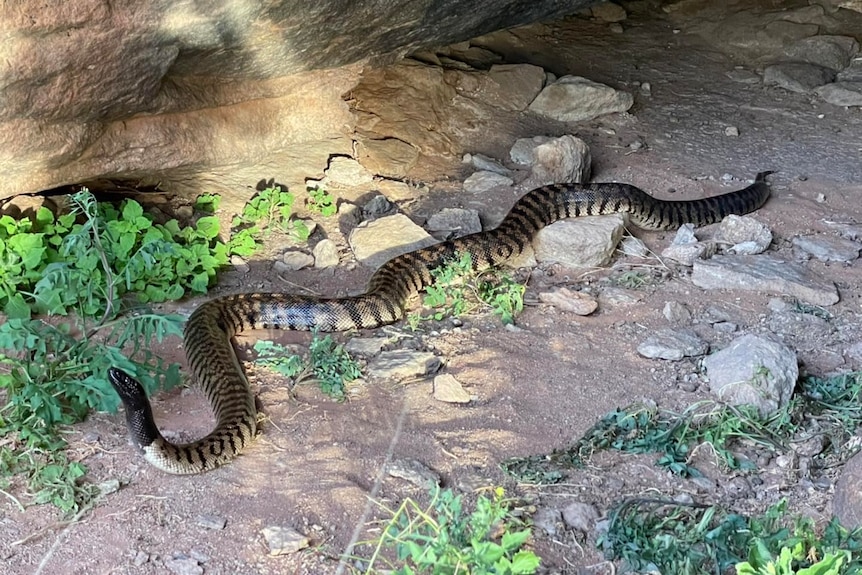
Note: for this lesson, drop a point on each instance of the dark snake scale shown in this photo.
(211, 326)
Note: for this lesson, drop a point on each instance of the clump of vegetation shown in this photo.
(327, 363)
(458, 289)
(442, 538)
(322, 202)
(833, 404)
(270, 209)
(668, 537)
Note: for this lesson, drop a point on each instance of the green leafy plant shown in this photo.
(328, 363)
(458, 289)
(49, 477)
(321, 202)
(79, 267)
(762, 562)
(443, 539)
(269, 209)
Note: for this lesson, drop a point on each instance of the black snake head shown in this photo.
(139, 414)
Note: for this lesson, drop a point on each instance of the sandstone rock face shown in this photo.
(196, 95)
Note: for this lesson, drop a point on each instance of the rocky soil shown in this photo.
(682, 109)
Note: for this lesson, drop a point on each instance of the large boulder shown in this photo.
(193, 94)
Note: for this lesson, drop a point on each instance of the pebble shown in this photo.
(546, 519)
(414, 472)
(483, 181)
(294, 260)
(676, 313)
(449, 390)
(634, 247)
(580, 516)
(325, 254)
(365, 346)
(239, 264)
(486, 164)
(283, 540)
(574, 302)
(456, 221)
(376, 207)
(672, 345)
(731, 131)
(184, 566)
(211, 521)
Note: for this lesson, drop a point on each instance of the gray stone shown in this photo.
(487, 164)
(283, 540)
(581, 242)
(456, 222)
(558, 160)
(184, 566)
(325, 254)
(211, 521)
(634, 247)
(847, 501)
(546, 519)
(522, 153)
(763, 274)
(571, 301)
(753, 370)
(676, 313)
(577, 99)
(374, 243)
(483, 181)
(828, 248)
(449, 390)
(293, 260)
(797, 76)
(239, 264)
(672, 345)
(833, 52)
(745, 235)
(344, 171)
(377, 206)
(366, 346)
(403, 364)
(413, 471)
(852, 73)
(580, 516)
(743, 76)
(389, 157)
(841, 93)
(685, 248)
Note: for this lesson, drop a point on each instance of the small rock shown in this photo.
(546, 519)
(376, 207)
(522, 150)
(484, 181)
(672, 345)
(676, 313)
(687, 254)
(828, 248)
(456, 221)
(577, 99)
(283, 540)
(580, 516)
(449, 390)
(486, 164)
(753, 370)
(608, 12)
(325, 254)
(563, 159)
(743, 76)
(763, 274)
(725, 327)
(141, 557)
(365, 346)
(109, 486)
(634, 247)
(184, 566)
(832, 52)
(403, 364)
(211, 522)
(413, 471)
(645, 90)
(581, 242)
(731, 131)
(239, 264)
(745, 234)
(571, 301)
(295, 260)
(616, 28)
(797, 76)
(841, 93)
(348, 172)
(375, 242)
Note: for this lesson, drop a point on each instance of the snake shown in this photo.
(208, 333)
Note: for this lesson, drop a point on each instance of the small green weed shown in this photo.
(633, 279)
(328, 363)
(443, 539)
(458, 289)
(322, 202)
(269, 209)
(50, 477)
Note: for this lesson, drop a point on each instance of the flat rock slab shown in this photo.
(763, 274)
(828, 249)
(581, 242)
(577, 99)
(374, 243)
(673, 345)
